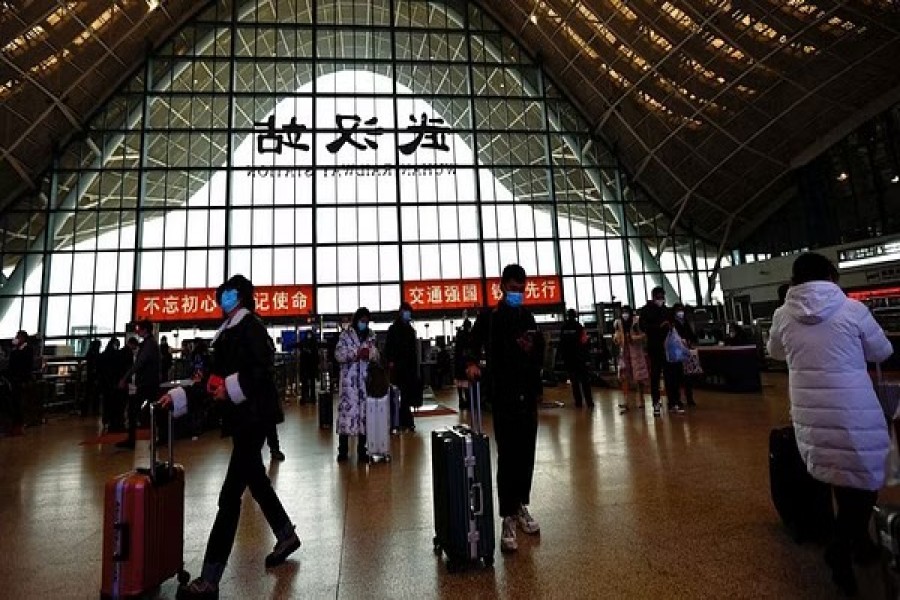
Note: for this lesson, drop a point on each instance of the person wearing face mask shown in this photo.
(573, 344)
(514, 350)
(632, 366)
(403, 364)
(656, 323)
(242, 382)
(684, 329)
(20, 368)
(146, 373)
(355, 348)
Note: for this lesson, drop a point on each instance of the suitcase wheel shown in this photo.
(489, 561)
(184, 577)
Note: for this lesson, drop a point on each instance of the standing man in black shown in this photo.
(515, 353)
(145, 371)
(21, 366)
(573, 345)
(403, 364)
(655, 324)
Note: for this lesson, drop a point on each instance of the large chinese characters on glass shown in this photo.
(467, 293)
(192, 305)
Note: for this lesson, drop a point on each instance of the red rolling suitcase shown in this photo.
(143, 526)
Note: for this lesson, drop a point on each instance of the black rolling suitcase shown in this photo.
(463, 496)
(326, 410)
(803, 503)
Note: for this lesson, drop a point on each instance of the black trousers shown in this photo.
(114, 401)
(17, 399)
(135, 402)
(245, 470)
(408, 395)
(515, 428)
(673, 374)
(581, 384)
(854, 509)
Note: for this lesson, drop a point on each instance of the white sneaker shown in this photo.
(527, 522)
(508, 535)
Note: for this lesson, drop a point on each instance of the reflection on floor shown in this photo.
(630, 507)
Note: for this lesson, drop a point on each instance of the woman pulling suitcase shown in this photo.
(242, 381)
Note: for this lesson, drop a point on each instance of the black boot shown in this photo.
(838, 559)
(361, 453)
(343, 444)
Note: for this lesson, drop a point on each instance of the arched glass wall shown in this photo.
(351, 145)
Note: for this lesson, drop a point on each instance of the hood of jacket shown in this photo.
(814, 302)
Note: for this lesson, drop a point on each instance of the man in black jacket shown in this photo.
(515, 351)
(243, 384)
(145, 372)
(573, 346)
(21, 366)
(403, 363)
(655, 324)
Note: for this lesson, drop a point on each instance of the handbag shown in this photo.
(377, 381)
(676, 350)
(692, 364)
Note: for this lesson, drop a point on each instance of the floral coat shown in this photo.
(352, 405)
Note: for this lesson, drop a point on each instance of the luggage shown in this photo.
(378, 421)
(887, 530)
(326, 410)
(463, 497)
(803, 503)
(395, 409)
(143, 527)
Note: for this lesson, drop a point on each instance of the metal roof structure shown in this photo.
(709, 104)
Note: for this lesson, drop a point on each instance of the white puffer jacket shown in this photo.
(826, 339)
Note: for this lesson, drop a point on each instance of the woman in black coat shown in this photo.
(683, 328)
(242, 381)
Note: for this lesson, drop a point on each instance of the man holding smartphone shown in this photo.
(515, 351)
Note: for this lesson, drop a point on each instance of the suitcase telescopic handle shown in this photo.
(153, 451)
(475, 404)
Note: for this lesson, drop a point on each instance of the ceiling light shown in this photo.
(534, 19)
(153, 4)
(895, 179)
(843, 177)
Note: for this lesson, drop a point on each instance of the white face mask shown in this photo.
(660, 302)
(679, 315)
(626, 316)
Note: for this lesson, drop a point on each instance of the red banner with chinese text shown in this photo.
(200, 304)
(467, 293)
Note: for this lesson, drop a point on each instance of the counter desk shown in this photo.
(730, 368)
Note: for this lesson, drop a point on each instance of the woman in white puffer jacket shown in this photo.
(827, 339)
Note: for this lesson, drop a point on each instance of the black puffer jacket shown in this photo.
(244, 355)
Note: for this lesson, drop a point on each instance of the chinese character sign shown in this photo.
(468, 293)
(443, 295)
(201, 305)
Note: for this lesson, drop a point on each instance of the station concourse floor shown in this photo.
(630, 507)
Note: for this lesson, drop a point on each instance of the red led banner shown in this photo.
(201, 305)
(467, 293)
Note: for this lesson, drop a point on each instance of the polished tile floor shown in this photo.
(630, 507)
